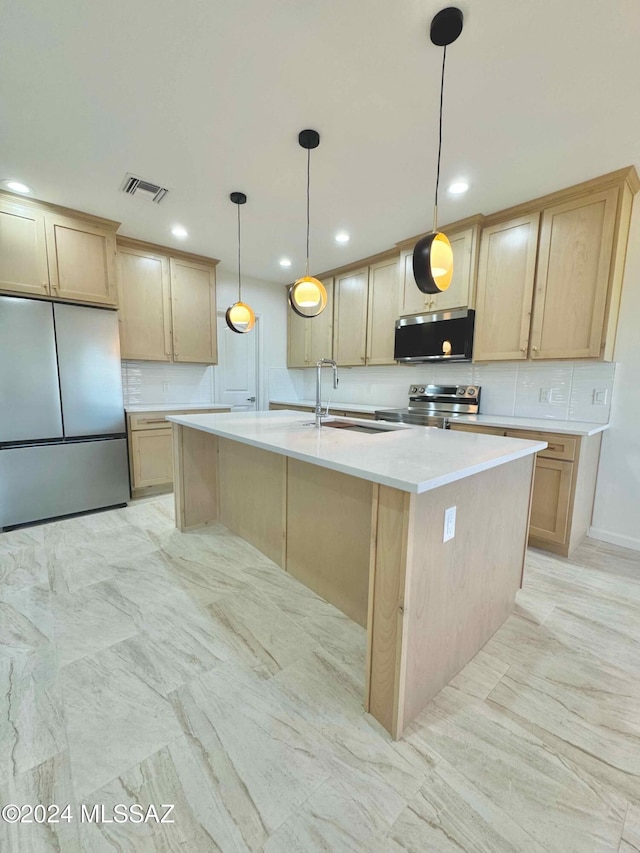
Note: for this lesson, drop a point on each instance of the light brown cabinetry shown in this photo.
(23, 249)
(550, 273)
(193, 311)
(151, 450)
(47, 252)
(310, 339)
(383, 309)
(563, 488)
(506, 273)
(461, 291)
(572, 278)
(145, 305)
(81, 261)
(167, 304)
(350, 317)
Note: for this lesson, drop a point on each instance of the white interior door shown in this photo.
(236, 373)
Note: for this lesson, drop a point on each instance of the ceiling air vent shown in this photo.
(143, 189)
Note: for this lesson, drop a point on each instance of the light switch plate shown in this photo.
(449, 524)
(600, 396)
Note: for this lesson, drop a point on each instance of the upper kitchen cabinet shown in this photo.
(193, 310)
(144, 291)
(506, 274)
(81, 260)
(167, 304)
(385, 293)
(350, 317)
(23, 249)
(562, 302)
(52, 252)
(572, 278)
(310, 339)
(464, 239)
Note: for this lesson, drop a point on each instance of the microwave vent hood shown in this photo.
(442, 336)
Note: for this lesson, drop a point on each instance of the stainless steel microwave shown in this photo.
(445, 336)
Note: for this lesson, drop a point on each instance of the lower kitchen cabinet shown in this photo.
(563, 488)
(151, 450)
(151, 458)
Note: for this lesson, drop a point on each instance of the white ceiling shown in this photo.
(208, 96)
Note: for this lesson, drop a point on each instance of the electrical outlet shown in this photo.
(449, 524)
(599, 396)
(545, 395)
(165, 385)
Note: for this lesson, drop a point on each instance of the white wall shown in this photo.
(616, 516)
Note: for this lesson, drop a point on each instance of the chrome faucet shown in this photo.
(319, 366)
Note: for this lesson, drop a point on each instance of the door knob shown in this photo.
(251, 399)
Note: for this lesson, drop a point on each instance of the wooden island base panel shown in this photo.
(375, 552)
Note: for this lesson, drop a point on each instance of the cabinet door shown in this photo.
(145, 307)
(350, 317)
(81, 261)
(384, 307)
(297, 339)
(320, 338)
(460, 292)
(152, 457)
(479, 428)
(193, 311)
(572, 279)
(505, 289)
(23, 250)
(414, 301)
(551, 498)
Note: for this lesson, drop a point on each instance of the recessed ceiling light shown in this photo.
(179, 231)
(285, 262)
(458, 187)
(342, 237)
(16, 186)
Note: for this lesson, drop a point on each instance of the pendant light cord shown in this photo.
(308, 202)
(435, 207)
(239, 277)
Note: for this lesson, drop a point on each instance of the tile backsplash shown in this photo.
(561, 390)
(145, 382)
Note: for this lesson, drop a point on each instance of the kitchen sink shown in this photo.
(358, 427)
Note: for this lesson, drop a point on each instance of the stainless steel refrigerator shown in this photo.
(63, 446)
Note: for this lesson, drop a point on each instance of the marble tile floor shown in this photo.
(141, 665)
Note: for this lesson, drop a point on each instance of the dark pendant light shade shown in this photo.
(308, 295)
(432, 255)
(239, 316)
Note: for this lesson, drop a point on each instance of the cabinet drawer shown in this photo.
(560, 446)
(150, 420)
(158, 420)
(487, 430)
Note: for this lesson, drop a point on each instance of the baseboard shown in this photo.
(614, 538)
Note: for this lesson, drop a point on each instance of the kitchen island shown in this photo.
(358, 515)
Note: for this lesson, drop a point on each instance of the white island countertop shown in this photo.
(409, 458)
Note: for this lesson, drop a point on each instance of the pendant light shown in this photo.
(240, 317)
(432, 255)
(307, 296)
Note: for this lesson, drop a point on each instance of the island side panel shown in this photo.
(386, 605)
(328, 535)
(195, 477)
(252, 496)
(458, 593)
